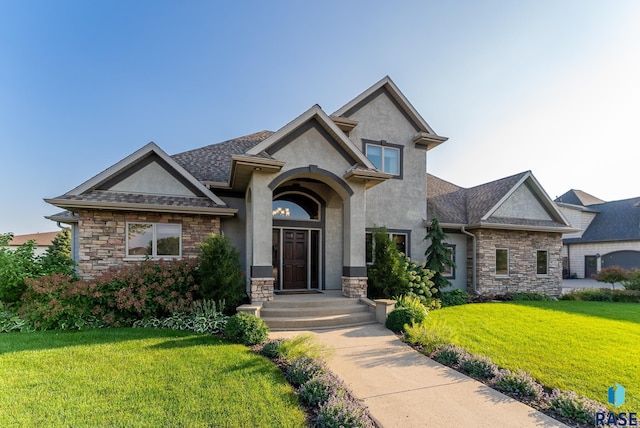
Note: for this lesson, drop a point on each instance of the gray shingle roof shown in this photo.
(457, 205)
(578, 197)
(213, 162)
(615, 221)
(144, 199)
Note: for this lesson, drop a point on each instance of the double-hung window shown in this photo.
(384, 156)
(154, 240)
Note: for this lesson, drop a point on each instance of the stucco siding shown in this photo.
(460, 242)
(152, 179)
(522, 204)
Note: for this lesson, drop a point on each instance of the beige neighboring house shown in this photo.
(42, 240)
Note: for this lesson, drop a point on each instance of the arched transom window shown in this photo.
(295, 206)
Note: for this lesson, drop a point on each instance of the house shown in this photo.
(608, 235)
(505, 235)
(298, 203)
(42, 241)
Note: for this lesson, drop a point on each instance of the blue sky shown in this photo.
(548, 86)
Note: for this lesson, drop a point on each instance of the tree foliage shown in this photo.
(611, 275)
(386, 275)
(438, 255)
(220, 271)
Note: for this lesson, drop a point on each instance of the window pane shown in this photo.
(541, 262)
(368, 243)
(449, 271)
(401, 242)
(289, 210)
(139, 239)
(168, 239)
(502, 262)
(392, 161)
(374, 153)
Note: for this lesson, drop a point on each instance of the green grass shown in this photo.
(580, 346)
(139, 377)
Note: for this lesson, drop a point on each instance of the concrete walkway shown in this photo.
(403, 388)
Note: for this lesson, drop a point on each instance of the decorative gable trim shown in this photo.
(314, 113)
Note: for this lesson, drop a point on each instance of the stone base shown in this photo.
(261, 289)
(353, 287)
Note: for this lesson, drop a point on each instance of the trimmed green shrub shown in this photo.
(528, 296)
(220, 271)
(454, 297)
(339, 412)
(246, 329)
(304, 369)
(399, 317)
(479, 367)
(604, 295)
(271, 349)
(633, 280)
(569, 405)
(517, 384)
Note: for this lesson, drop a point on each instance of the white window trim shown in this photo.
(153, 256)
(547, 267)
(495, 270)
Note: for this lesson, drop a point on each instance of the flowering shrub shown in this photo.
(450, 355)
(570, 405)
(320, 388)
(343, 412)
(116, 298)
(304, 369)
(479, 367)
(518, 384)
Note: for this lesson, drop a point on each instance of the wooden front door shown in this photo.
(294, 259)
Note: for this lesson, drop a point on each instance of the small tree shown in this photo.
(438, 255)
(386, 276)
(220, 271)
(57, 258)
(611, 275)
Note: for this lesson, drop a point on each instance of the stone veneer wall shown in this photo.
(102, 236)
(522, 248)
(354, 286)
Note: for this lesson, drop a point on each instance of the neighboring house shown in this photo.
(300, 203)
(609, 233)
(505, 235)
(296, 202)
(42, 241)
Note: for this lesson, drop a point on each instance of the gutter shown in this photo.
(473, 259)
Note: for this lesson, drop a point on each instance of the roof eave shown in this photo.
(529, 228)
(368, 177)
(74, 205)
(426, 141)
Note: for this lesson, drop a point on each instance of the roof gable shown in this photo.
(315, 117)
(578, 197)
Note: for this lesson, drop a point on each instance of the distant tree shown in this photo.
(438, 255)
(57, 258)
(611, 275)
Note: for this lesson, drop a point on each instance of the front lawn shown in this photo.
(585, 347)
(139, 377)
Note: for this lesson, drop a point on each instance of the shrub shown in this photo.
(246, 329)
(220, 271)
(454, 297)
(386, 275)
(302, 345)
(201, 317)
(479, 367)
(604, 295)
(611, 275)
(418, 283)
(320, 388)
(517, 384)
(271, 349)
(528, 296)
(633, 280)
(429, 334)
(569, 405)
(399, 317)
(450, 355)
(304, 369)
(340, 412)
(10, 321)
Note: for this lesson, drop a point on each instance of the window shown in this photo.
(542, 262)
(450, 271)
(502, 261)
(295, 206)
(154, 240)
(384, 156)
(400, 239)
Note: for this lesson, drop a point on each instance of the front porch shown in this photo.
(318, 310)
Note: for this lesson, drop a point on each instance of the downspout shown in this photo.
(473, 259)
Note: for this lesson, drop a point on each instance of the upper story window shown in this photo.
(154, 240)
(384, 156)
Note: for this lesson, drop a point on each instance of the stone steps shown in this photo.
(315, 312)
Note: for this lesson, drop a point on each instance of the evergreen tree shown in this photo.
(438, 255)
(57, 258)
(220, 272)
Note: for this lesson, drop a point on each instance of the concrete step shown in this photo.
(310, 302)
(311, 311)
(320, 322)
